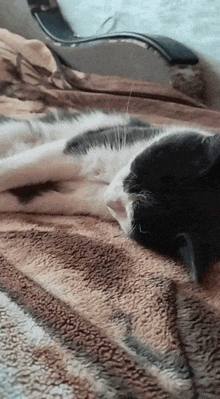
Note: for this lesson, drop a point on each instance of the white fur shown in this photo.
(21, 135)
(33, 152)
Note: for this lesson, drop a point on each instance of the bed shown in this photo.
(84, 311)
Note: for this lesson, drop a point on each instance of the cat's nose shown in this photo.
(116, 205)
(120, 209)
(119, 205)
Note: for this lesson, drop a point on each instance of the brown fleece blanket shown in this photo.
(84, 311)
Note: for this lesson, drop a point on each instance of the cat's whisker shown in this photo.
(124, 138)
(129, 98)
(131, 230)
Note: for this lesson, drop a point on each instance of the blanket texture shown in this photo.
(84, 311)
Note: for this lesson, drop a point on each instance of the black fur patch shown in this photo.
(27, 193)
(61, 115)
(113, 137)
(5, 119)
(181, 176)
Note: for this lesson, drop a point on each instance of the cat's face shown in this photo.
(168, 198)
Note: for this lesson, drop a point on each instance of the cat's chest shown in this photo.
(102, 164)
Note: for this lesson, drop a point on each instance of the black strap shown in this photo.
(57, 28)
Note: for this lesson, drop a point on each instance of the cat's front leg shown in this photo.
(17, 136)
(40, 164)
(68, 198)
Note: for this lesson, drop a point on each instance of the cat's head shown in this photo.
(168, 198)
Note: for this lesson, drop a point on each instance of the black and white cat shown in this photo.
(161, 184)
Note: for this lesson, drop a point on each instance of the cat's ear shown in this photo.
(190, 249)
(212, 149)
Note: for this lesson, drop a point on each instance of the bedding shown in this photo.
(84, 311)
